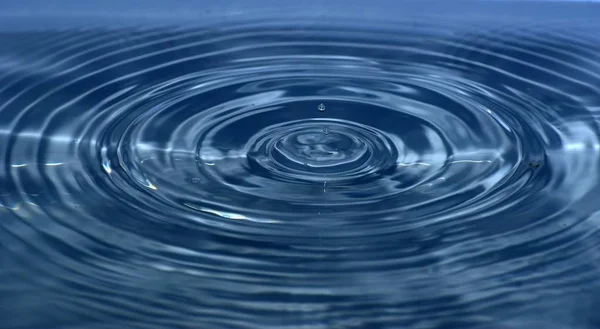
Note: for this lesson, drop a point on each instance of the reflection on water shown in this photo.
(285, 175)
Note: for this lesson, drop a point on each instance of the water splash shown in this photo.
(182, 178)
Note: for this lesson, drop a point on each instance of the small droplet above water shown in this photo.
(326, 130)
(321, 107)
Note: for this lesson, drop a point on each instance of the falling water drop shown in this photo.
(321, 107)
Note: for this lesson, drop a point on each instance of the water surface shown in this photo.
(300, 174)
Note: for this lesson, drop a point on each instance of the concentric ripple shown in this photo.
(285, 175)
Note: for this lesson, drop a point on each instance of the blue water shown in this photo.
(299, 173)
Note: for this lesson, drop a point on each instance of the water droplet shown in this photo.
(326, 130)
(321, 107)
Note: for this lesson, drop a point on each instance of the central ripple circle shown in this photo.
(311, 149)
(319, 150)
